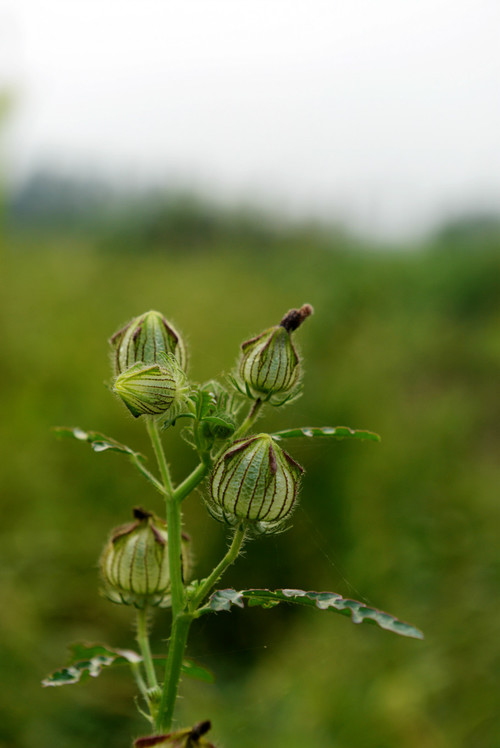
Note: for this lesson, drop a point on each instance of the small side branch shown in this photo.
(229, 558)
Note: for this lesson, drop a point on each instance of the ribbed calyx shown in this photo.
(269, 366)
(134, 564)
(152, 389)
(254, 483)
(143, 340)
(191, 737)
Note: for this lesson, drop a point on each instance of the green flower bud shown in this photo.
(191, 737)
(152, 389)
(143, 339)
(134, 564)
(269, 367)
(218, 419)
(255, 483)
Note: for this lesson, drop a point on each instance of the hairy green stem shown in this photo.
(181, 618)
(174, 529)
(249, 420)
(227, 560)
(147, 474)
(136, 672)
(154, 435)
(143, 642)
(177, 645)
(180, 622)
(174, 521)
(200, 472)
(190, 483)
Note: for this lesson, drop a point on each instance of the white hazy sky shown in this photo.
(384, 113)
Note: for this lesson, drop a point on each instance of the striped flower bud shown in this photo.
(143, 339)
(134, 564)
(254, 483)
(269, 367)
(152, 389)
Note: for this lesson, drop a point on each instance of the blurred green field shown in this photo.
(403, 343)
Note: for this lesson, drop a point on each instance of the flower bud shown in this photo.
(255, 483)
(134, 564)
(191, 737)
(152, 389)
(218, 419)
(269, 367)
(143, 339)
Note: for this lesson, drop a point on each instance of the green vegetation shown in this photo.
(406, 344)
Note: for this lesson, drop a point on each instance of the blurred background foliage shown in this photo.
(405, 343)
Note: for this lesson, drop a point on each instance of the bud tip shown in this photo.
(295, 317)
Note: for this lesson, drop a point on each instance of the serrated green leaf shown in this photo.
(223, 599)
(99, 442)
(206, 403)
(358, 612)
(219, 421)
(333, 432)
(88, 660)
(86, 651)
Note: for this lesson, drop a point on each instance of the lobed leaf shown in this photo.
(99, 442)
(88, 660)
(206, 403)
(333, 432)
(219, 421)
(358, 612)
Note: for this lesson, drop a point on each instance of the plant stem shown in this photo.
(249, 420)
(174, 522)
(177, 645)
(181, 618)
(147, 474)
(154, 435)
(190, 483)
(143, 641)
(174, 529)
(180, 621)
(134, 666)
(195, 478)
(179, 635)
(228, 559)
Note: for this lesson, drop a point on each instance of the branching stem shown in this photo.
(147, 474)
(249, 420)
(136, 672)
(174, 523)
(180, 622)
(227, 560)
(183, 615)
(154, 435)
(190, 483)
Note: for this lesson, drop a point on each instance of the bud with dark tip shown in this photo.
(191, 737)
(269, 367)
(152, 389)
(143, 339)
(254, 483)
(134, 564)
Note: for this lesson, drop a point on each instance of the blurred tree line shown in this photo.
(403, 343)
